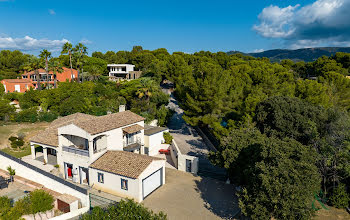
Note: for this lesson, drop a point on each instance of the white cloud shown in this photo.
(52, 12)
(324, 22)
(85, 41)
(30, 44)
(258, 50)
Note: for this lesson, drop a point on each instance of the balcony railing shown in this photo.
(74, 150)
(136, 141)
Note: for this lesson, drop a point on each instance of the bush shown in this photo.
(167, 137)
(5, 206)
(47, 116)
(41, 201)
(16, 142)
(124, 210)
(339, 198)
(57, 166)
(21, 136)
(27, 115)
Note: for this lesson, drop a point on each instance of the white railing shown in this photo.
(137, 140)
(75, 150)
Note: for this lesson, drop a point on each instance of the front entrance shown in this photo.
(84, 175)
(68, 170)
(188, 166)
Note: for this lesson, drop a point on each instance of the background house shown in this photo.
(17, 85)
(122, 72)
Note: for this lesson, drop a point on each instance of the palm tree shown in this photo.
(67, 49)
(45, 55)
(79, 51)
(95, 73)
(34, 64)
(56, 67)
(12, 172)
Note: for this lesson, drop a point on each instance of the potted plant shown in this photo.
(12, 172)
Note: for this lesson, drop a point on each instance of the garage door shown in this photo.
(152, 182)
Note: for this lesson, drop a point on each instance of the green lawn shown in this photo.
(26, 151)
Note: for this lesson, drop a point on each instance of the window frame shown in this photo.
(126, 185)
(99, 179)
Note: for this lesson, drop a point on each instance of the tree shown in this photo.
(5, 109)
(12, 172)
(279, 179)
(67, 49)
(41, 201)
(35, 64)
(340, 198)
(56, 67)
(124, 210)
(79, 51)
(45, 55)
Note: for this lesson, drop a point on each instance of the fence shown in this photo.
(76, 151)
(49, 175)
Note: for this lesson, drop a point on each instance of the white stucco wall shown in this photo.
(179, 159)
(112, 182)
(49, 183)
(154, 143)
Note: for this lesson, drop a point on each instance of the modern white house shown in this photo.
(122, 72)
(104, 152)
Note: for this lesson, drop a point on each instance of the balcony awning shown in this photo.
(132, 129)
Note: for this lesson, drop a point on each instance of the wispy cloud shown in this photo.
(85, 41)
(258, 50)
(30, 44)
(52, 12)
(322, 23)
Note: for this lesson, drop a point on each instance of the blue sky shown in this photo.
(186, 26)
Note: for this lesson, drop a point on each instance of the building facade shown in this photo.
(86, 148)
(122, 72)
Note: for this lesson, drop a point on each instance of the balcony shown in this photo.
(131, 145)
(75, 150)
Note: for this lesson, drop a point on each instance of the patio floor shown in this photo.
(39, 162)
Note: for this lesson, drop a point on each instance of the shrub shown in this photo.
(27, 115)
(47, 116)
(57, 166)
(124, 210)
(21, 136)
(16, 142)
(41, 201)
(340, 198)
(5, 206)
(167, 137)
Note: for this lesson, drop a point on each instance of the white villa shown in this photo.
(123, 72)
(108, 152)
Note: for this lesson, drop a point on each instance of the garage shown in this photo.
(152, 182)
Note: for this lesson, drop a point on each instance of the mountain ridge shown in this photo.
(304, 54)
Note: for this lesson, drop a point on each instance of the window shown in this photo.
(124, 184)
(100, 177)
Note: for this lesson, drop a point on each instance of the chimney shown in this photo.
(121, 108)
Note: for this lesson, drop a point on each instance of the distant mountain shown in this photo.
(307, 54)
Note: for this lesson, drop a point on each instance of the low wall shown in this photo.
(49, 180)
(206, 139)
(179, 159)
(71, 214)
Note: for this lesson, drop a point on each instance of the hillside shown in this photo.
(307, 54)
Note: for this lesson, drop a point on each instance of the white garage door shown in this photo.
(152, 182)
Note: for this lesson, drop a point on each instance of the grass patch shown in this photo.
(20, 153)
(26, 130)
(5, 131)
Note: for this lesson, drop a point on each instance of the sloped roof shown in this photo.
(132, 129)
(123, 163)
(50, 72)
(109, 122)
(150, 130)
(17, 80)
(50, 135)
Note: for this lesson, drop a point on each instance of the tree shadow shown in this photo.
(219, 198)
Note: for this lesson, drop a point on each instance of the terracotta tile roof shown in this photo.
(132, 129)
(50, 135)
(123, 163)
(150, 130)
(44, 71)
(109, 122)
(17, 80)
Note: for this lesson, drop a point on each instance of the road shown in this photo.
(189, 142)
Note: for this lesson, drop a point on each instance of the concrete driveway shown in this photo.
(185, 196)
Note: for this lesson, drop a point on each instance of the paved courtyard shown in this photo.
(16, 191)
(185, 196)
